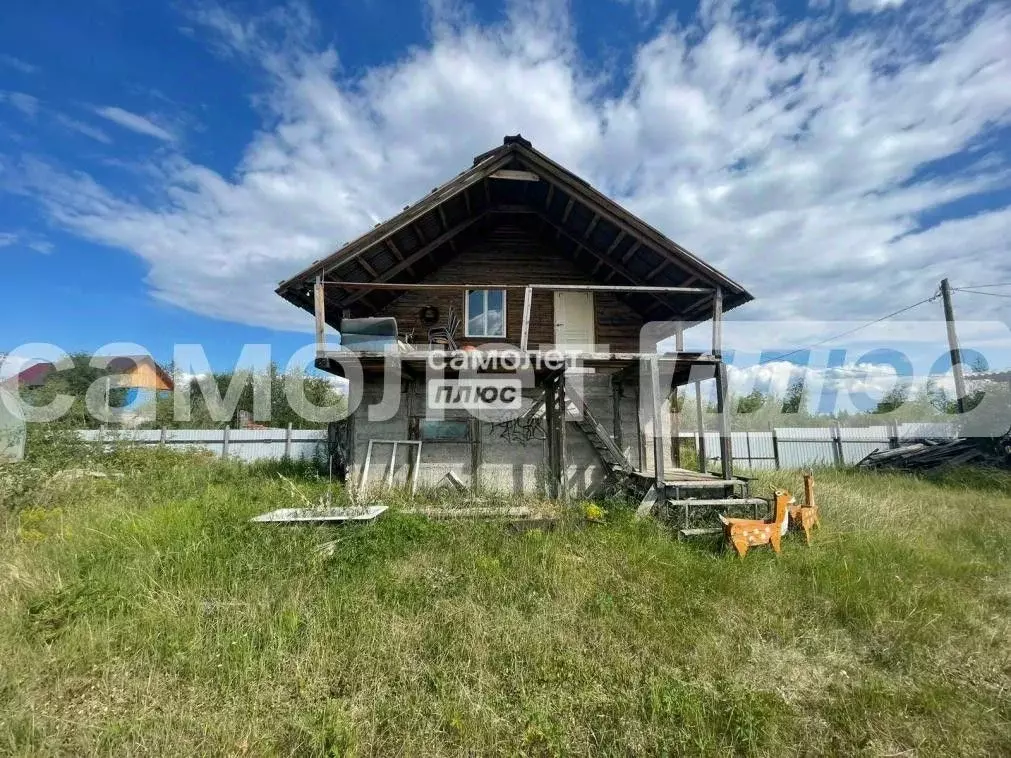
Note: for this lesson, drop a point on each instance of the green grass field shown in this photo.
(145, 615)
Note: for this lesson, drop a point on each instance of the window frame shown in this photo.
(466, 313)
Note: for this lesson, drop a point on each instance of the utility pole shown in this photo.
(955, 350)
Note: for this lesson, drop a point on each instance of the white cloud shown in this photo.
(795, 157)
(873, 6)
(7, 239)
(27, 104)
(18, 65)
(135, 123)
(82, 128)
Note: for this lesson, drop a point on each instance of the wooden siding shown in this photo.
(511, 256)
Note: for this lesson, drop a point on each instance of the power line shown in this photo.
(851, 331)
(984, 286)
(976, 292)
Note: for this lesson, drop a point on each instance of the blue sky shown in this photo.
(163, 165)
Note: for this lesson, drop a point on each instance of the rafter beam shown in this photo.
(416, 256)
(617, 241)
(568, 210)
(632, 278)
(396, 252)
(631, 251)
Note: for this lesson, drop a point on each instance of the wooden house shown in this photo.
(516, 256)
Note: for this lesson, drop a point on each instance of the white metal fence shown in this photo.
(242, 444)
(791, 448)
(777, 448)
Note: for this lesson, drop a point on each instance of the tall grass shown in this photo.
(145, 614)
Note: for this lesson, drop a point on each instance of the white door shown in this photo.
(574, 318)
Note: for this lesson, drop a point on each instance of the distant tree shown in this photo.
(752, 402)
(894, 399)
(793, 401)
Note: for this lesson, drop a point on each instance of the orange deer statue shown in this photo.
(806, 515)
(744, 533)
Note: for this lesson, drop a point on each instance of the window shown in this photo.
(485, 313)
(431, 430)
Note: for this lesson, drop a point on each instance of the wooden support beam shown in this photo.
(550, 410)
(718, 322)
(319, 302)
(550, 197)
(618, 288)
(701, 426)
(568, 210)
(614, 244)
(591, 226)
(466, 200)
(417, 255)
(723, 411)
(657, 401)
(396, 252)
(563, 467)
(631, 251)
(610, 264)
(528, 294)
(367, 266)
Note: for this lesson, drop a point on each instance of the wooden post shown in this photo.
(163, 436)
(954, 349)
(551, 479)
(718, 322)
(723, 409)
(837, 449)
(654, 391)
(320, 307)
(675, 431)
(225, 441)
(287, 441)
(528, 294)
(893, 434)
(475, 454)
(701, 447)
(616, 393)
(775, 445)
(563, 468)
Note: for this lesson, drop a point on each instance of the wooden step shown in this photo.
(720, 501)
(704, 532)
(703, 483)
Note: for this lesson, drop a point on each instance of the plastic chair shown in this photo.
(445, 336)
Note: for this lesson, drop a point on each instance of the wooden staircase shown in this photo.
(693, 499)
(615, 462)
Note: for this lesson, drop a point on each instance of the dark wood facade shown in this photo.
(511, 256)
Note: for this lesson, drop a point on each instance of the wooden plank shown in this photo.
(700, 449)
(631, 251)
(528, 295)
(649, 500)
(319, 303)
(723, 408)
(617, 288)
(718, 322)
(515, 175)
(563, 466)
(654, 390)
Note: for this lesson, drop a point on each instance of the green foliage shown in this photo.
(317, 390)
(145, 614)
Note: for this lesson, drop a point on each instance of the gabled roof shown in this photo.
(127, 364)
(516, 184)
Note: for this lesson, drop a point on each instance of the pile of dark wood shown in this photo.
(927, 454)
